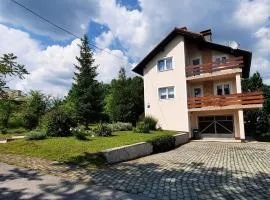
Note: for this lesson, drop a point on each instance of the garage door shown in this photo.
(216, 125)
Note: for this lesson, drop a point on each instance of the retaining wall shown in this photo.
(129, 152)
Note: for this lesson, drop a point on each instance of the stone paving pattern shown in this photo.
(197, 170)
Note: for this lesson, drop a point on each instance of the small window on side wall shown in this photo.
(166, 93)
(165, 64)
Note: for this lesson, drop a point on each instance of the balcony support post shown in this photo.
(241, 124)
(238, 83)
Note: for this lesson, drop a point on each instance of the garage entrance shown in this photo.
(216, 126)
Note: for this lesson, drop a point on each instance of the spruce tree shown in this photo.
(87, 92)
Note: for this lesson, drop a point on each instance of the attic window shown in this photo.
(165, 64)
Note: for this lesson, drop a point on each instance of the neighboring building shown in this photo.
(192, 83)
(13, 94)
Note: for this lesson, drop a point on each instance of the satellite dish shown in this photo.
(233, 44)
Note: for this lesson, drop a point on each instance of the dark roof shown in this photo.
(199, 39)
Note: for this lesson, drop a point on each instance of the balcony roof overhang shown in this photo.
(197, 38)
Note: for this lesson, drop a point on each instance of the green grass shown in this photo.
(11, 132)
(69, 149)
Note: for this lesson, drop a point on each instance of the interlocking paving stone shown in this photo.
(197, 170)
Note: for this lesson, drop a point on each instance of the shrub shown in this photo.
(30, 121)
(36, 135)
(162, 144)
(3, 130)
(120, 126)
(59, 123)
(78, 133)
(142, 128)
(103, 130)
(16, 122)
(151, 121)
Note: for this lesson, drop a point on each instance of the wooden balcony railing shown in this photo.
(194, 70)
(233, 99)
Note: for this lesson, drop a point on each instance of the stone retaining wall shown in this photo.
(129, 152)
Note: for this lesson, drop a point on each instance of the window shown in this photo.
(196, 61)
(197, 92)
(221, 59)
(223, 89)
(165, 64)
(166, 93)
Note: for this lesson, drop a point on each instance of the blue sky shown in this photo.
(128, 29)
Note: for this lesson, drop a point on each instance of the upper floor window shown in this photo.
(223, 89)
(165, 64)
(166, 93)
(220, 59)
(196, 61)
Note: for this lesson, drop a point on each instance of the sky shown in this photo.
(126, 29)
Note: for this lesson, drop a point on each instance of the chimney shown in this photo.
(207, 34)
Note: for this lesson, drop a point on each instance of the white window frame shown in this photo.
(219, 56)
(165, 64)
(194, 87)
(167, 92)
(223, 83)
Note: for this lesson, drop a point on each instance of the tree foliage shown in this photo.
(257, 121)
(86, 92)
(10, 68)
(7, 107)
(125, 100)
(37, 105)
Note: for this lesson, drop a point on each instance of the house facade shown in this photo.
(192, 83)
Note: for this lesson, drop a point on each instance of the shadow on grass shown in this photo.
(88, 160)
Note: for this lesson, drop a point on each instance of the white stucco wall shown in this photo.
(172, 114)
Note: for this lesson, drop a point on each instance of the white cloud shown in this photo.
(104, 40)
(110, 65)
(263, 44)
(51, 69)
(252, 13)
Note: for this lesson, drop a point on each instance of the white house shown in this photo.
(192, 83)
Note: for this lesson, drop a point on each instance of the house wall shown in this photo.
(206, 55)
(172, 114)
(209, 86)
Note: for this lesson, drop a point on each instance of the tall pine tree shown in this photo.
(86, 91)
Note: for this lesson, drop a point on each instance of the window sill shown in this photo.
(165, 70)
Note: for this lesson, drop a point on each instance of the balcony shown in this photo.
(194, 71)
(233, 101)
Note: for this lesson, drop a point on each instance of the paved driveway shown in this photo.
(197, 170)
(19, 183)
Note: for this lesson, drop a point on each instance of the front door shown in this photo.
(216, 126)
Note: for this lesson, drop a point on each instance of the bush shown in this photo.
(30, 121)
(59, 123)
(3, 130)
(151, 121)
(120, 126)
(36, 135)
(142, 128)
(103, 130)
(162, 144)
(78, 133)
(16, 122)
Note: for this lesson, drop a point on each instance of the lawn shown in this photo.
(12, 132)
(69, 149)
